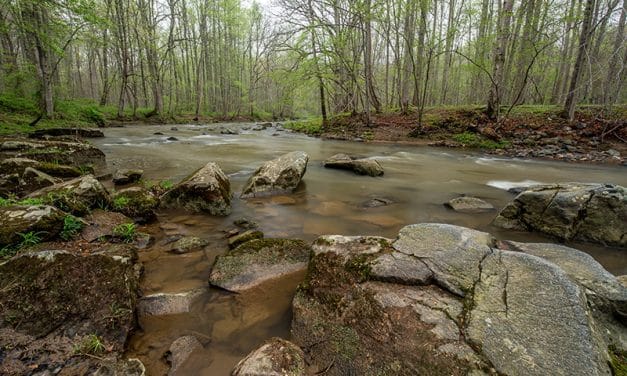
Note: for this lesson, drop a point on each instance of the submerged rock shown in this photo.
(127, 176)
(257, 261)
(278, 176)
(179, 352)
(43, 221)
(206, 190)
(77, 196)
(137, 203)
(244, 237)
(444, 299)
(188, 244)
(276, 357)
(168, 303)
(56, 304)
(467, 204)
(361, 166)
(589, 212)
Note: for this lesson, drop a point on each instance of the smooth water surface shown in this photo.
(417, 179)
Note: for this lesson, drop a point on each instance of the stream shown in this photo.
(418, 180)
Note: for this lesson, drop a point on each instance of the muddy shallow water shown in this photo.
(417, 179)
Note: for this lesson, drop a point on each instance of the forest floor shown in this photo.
(527, 132)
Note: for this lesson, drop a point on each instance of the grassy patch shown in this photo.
(311, 126)
(71, 227)
(618, 361)
(26, 201)
(126, 232)
(473, 140)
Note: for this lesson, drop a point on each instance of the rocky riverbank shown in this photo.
(595, 136)
(436, 299)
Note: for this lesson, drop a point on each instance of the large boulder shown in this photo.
(258, 261)
(278, 176)
(45, 222)
(206, 190)
(443, 299)
(589, 212)
(360, 166)
(276, 357)
(57, 305)
(76, 196)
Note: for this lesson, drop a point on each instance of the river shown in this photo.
(418, 180)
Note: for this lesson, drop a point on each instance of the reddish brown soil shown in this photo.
(593, 137)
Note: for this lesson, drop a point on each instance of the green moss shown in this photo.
(26, 201)
(344, 341)
(473, 140)
(618, 361)
(311, 126)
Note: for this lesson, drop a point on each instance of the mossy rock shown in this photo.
(257, 261)
(44, 221)
(77, 196)
(136, 202)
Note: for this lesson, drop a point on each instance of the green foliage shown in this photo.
(125, 231)
(166, 184)
(120, 202)
(71, 227)
(29, 239)
(13, 103)
(7, 251)
(311, 126)
(618, 361)
(92, 344)
(475, 141)
(26, 201)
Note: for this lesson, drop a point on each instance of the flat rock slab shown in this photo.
(276, 357)
(444, 299)
(278, 176)
(100, 224)
(206, 190)
(529, 316)
(257, 261)
(360, 166)
(168, 303)
(467, 204)
(75, 154)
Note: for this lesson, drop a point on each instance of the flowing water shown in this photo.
(417, 180)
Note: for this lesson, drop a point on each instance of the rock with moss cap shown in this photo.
(443, 299)
(246, 236)
(56, 304)
(468, 204)
(258, 261)
(276, 357)
(360, 166)
(76, 196)
(589, 212)
(188, 244)
(137, 203)
(17, 220)
(278, 176)
(206, 190)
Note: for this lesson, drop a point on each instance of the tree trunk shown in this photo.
(504, 20)
(571, 97)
